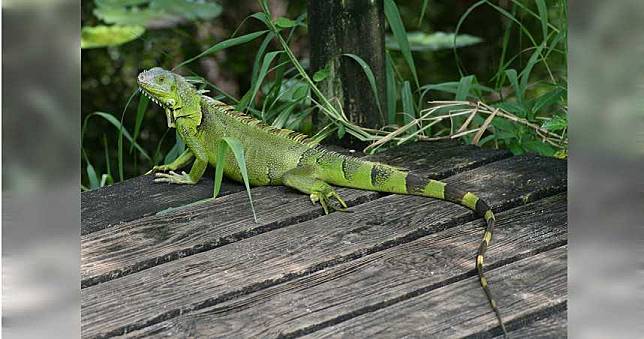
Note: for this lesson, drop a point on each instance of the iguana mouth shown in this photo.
(151, 97)
(169, 111)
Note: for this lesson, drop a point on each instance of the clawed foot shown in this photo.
(324, 198)
(158, 168)
(174, 178)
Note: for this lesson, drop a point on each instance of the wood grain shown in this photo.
(138, 197)
(201, 280)
(134, 246)
(458, 310)
(550, 325)
(384, 278)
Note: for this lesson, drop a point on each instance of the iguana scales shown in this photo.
(284, 157)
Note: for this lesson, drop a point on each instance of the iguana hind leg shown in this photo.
(305, 180)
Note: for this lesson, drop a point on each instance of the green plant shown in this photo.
(522, 107)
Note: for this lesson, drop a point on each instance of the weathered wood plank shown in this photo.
(140, 196)
(143, 243)
(207, 278)
(535, 284)
(553, 325)
(375, 281)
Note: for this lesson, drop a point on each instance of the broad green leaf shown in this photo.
(106, 179)
(556, 123)
(91, 175)
(238, 151)
(225, 44)
(398, 29)
(283, 22)
(420, 41)
(155, 13)
(104, 36)
(321, 74)
(550, 98)
(539, 147)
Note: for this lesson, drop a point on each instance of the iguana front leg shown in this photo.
(199, 166)
(304, 180)
(182, 161)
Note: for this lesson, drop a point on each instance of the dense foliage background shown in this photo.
(505, 78)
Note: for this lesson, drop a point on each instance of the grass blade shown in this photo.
(248, 100)
(140, 112)
(464, 88)
(543, 17)
(91, 175)
(408, 106)
(116, 123)
(422, 12)
(398, 29)
(225, 44)
(390, 77)
(238, 150)
(370, 77)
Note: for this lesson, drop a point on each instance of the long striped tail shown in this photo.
(357, 173)
(437, 189)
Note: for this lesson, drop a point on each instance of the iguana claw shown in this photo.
(174, 178)
(324, 198)
(157, 168)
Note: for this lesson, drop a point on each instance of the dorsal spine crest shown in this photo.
(250, 121)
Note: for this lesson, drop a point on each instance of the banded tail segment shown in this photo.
(357, 173)
(437, 189)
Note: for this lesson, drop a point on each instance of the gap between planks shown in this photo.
(150, 241)
(332, 296)
(518, 180)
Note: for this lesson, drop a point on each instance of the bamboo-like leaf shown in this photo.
(422, 12)
(249, 99)
(140, 113)
(391, 89)
(370, 77)
(464, 88)
(116, 123)
(543, 17)
(238, 150)
(260, 55)
(398, 29)
(408, 106)
(225, 44)
(283, 22)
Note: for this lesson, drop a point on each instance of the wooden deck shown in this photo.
(396, 266)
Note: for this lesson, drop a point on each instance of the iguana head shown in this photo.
(172, 92)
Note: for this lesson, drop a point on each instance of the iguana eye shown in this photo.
(161, 79)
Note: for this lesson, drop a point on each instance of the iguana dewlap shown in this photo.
(284, 157)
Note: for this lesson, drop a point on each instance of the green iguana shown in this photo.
(284, 157)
